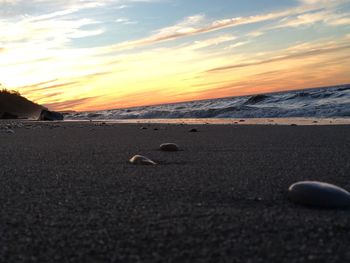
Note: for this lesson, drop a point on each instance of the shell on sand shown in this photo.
(313, 193)
(169, 147)
(141, 160)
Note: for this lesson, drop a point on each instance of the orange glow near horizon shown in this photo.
(171, 85)
(50, 58)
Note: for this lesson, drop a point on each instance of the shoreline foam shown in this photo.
(221, 121)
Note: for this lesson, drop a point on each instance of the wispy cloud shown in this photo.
(327, 17)
(290, 54)
(199, 24)
(69, 104)
(318, 2)
(126, 21)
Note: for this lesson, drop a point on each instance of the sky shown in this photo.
(89, 55)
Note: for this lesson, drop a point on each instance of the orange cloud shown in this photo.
(69, 104)
(300, 55)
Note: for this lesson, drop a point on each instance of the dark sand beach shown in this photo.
(68, 193)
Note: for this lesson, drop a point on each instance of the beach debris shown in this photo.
(293, 124)
(319, 194)
(155, 129)
(9, 131)
(143, 128)
(169, 147)
(47, 115)
(101, 124)
(141, 160)
(193, 130)
(241, 120)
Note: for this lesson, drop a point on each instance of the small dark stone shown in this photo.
(193, 130)
(293, 124)
(9, 131)
(169, 147)
(155, 129)
(241, 120)
(143, 128)
(312, 193)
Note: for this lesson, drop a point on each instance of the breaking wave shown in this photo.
(318, 103)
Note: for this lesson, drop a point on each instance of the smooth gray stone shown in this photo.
(318, 194)
(141, 160)
(169, 147)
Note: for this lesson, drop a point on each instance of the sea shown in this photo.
(326, 102)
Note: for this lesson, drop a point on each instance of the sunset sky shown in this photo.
(90, 55)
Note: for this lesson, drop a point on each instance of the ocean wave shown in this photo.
(319, 103)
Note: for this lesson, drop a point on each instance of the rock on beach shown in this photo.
(318, 194)
(141, 160)
(169, 147)
(47, 115)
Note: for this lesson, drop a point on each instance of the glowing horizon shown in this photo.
(94, 55)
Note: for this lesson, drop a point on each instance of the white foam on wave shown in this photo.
(329, 102)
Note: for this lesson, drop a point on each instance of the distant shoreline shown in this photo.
(223, 121)
(332, 102)
(347, 85)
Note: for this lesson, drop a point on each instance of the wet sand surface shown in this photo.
(68, 193)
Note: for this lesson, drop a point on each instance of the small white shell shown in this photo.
(141, 160)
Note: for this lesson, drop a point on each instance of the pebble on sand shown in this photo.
(141, 160)
(9, 131)
(318, 194)
(193, 130)
(169, 147)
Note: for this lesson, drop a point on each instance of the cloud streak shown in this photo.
(298, 55)
(69, 104)
(195, 25)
